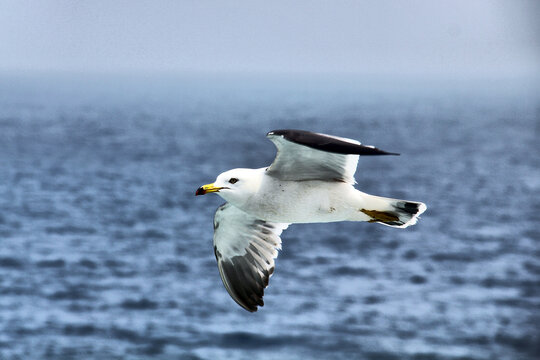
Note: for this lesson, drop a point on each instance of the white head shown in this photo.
(236, 185)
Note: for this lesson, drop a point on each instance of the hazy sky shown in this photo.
(457, 38)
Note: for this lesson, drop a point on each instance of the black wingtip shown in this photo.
(327, 143)
(370, 150)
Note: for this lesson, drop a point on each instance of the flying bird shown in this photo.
(311, 180)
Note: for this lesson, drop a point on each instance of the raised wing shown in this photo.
(304, 155)
(245, 249)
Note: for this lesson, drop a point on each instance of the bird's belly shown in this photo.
(303, 202)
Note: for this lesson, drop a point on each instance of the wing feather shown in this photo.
(304, 155)
(245, 249)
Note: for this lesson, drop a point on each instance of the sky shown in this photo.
(499, 38)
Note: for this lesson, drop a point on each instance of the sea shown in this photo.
(106, 253)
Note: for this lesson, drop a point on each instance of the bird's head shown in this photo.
(235, 185)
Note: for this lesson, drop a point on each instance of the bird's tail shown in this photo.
(391, 212)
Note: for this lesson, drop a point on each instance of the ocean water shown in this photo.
(107, 254)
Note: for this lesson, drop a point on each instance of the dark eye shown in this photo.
(233, 180)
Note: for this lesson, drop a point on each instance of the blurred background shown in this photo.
(113, 113)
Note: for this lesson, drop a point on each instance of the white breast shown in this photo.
(302, 201)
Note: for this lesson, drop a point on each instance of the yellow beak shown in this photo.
(205, 189)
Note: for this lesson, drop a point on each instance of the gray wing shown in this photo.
(304, 155)
(245, 249)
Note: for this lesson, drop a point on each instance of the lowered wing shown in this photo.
(245, 249)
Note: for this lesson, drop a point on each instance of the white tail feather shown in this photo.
(391, 212)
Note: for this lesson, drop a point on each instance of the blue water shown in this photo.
(106, 253)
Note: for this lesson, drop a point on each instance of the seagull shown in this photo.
(311, 180)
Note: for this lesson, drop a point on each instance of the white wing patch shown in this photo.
(299, 162)
(245, 249)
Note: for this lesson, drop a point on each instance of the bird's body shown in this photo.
(311, 180)
(309, 201)
(298, 202)
(306, 202)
